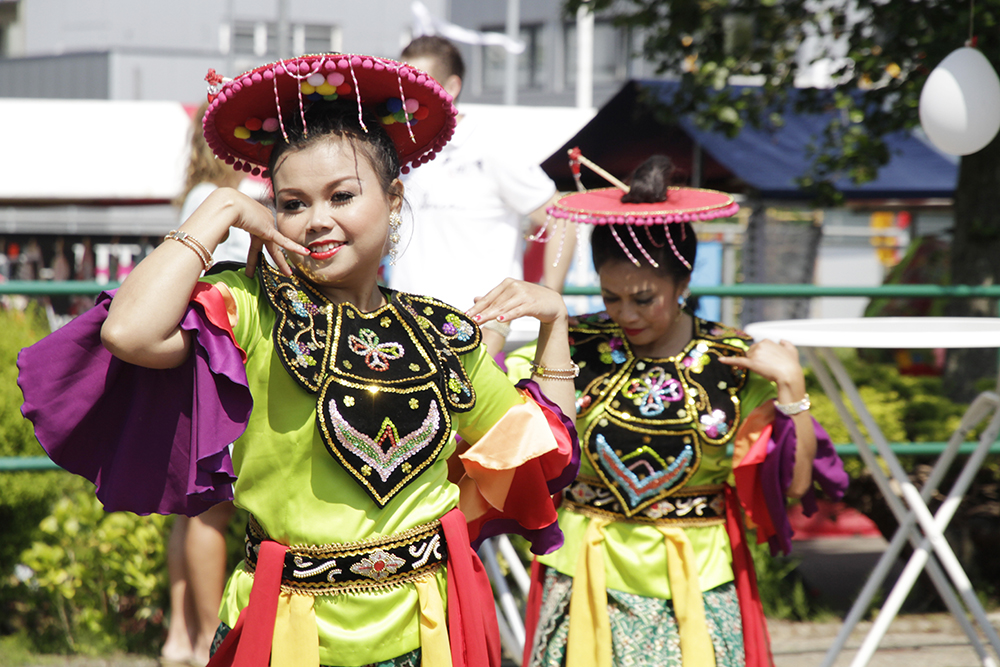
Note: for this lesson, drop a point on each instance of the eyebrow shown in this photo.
(635, 295)
(333, 183)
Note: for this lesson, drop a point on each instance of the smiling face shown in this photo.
(328, 198)
(643, 302)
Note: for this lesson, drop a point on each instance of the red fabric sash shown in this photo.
(533, 608)
(756, 640)
(472, 621)
(257, 618)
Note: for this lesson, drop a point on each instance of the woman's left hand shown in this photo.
(777, 362)
(512, 299)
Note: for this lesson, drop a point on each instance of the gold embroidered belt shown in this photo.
(354, 567)
(691, 506)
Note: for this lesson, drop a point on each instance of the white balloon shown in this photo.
(960, 103)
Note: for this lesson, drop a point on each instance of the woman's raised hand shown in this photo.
(512, 299)
(256, 219)
(777, 362)
(774, 361)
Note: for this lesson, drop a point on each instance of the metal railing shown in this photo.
(745, 290)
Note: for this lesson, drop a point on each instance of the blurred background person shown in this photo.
(196, 550)
(205, 173)
(468, 206)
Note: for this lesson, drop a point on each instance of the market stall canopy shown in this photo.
(629, 128)
(93, 150)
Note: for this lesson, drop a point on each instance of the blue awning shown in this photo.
(627, 130)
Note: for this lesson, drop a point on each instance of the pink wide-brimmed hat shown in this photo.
(248, 114)
(604, 206)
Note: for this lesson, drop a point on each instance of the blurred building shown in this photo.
(127, 50)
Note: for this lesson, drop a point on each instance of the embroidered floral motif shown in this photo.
(583, 493)
(660, 509)
(378, 565)
(301, 352)
(651, 389)
(377, 355)
(738, 343)
(612, 351)
(697, 358)
(457, 327)
(714, 424)
(456, 385)
(349, 401)
(414, 404)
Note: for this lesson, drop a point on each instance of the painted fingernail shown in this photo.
(477, 317)
(500, 318)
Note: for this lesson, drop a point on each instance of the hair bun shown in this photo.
(650, 181)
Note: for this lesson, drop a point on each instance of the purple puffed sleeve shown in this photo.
(152, 440)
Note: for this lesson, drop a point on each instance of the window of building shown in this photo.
(530, 64)
(612, 53)
(242, 40)
(260, 38)
(8, 21)
(320, 39)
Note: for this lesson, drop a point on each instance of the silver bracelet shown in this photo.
(792, 409)
(501, 328)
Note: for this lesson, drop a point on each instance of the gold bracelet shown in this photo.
(191, 242)
(570, 373)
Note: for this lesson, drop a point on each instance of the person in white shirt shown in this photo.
(468, 206)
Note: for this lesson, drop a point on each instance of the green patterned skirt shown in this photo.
(411, 659)
(643, 630)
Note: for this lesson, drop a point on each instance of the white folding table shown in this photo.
(917, 525)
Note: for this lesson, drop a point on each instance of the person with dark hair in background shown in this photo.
(342, 398)
(655, 569)
(468, 205)
(196, 550)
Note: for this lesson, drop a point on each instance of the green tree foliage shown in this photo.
(881, 52)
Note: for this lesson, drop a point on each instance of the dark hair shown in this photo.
(340, 118)
(605, 248)
(439, 48)
(649, 184)
(650, 181)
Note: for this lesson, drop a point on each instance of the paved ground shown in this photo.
(922, 640)
(913, 641)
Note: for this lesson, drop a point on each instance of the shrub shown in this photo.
(94, 582)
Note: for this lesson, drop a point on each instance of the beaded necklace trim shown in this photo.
(692, 506)
(355, 567)
(385, 381)
(657, 416)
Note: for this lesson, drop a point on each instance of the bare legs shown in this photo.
(196, 561)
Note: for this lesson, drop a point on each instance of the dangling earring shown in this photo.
(682, 300)
(395, 220)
